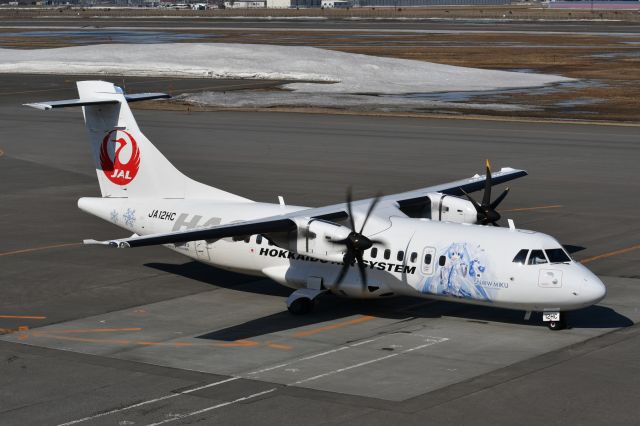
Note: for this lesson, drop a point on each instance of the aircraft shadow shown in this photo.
(221, 278)
(591, 317)
(573, 248)
(332, 308)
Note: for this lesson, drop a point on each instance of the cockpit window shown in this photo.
(521, 256)
(537, 257)
(557, 255)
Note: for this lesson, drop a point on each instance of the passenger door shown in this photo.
(428, 261)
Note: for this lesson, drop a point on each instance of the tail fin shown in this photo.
(127, 163)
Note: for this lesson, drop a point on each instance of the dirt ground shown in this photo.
(524, 11)
(607, 66)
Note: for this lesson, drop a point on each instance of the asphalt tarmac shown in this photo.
(145, 336)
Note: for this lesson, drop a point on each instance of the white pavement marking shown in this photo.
(204, 410)
(432, 341)
(306, 358)
(150, 401)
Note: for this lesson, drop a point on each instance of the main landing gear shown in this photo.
(302, 301)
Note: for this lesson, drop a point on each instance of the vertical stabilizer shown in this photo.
(127, 163)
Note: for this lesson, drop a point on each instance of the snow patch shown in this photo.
(315, 70)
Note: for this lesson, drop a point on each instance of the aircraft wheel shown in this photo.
(301, 306)
(558, 325)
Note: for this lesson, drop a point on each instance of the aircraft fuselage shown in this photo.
(415, 257)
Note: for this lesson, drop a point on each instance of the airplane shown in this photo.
(434, 242)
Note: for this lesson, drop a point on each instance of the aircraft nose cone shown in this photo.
(593, 289)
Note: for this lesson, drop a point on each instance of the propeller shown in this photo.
(487, 212)
(356, 243)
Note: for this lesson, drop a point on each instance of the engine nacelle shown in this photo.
(448, 208)
(314, 238)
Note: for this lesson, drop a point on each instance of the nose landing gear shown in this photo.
(555, 320)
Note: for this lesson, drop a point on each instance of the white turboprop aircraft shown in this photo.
(427, 243)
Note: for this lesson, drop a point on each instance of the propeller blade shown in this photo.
(344, 241)
(347, 260)
(363, 270)
(477, 206)
(498, 200)
(487, 213)
(372, 206)
(342, 274)
(349, 210)
(486, 197)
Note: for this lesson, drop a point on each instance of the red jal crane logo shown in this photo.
(116, 170)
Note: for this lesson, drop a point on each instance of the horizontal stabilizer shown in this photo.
(46, 105)
(136, 97)
(254, 227)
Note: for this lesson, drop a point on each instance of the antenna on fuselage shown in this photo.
(512, 225)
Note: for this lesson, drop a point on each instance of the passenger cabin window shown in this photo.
(428, 258)
(557, 256)
(537, 257)
(247, 238)
(442, 260)
(259, 239)
(521, 257)
(374, 252)
(414, 257)
(387, 254)
(400, 256)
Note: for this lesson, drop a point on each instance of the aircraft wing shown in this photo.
(459, 187)
(286, 222)
(268, 225)
(394, 202)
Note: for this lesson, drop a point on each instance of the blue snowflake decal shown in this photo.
(114, 216)
(129, 217)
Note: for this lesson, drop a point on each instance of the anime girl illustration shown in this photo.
(460, 275)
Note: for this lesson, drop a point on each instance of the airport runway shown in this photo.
(315, 24)
(144, 336)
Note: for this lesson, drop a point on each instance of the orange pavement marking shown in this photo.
(524, 209)
(98, 341)
(238, 343)
(34, 317)
(278, 346)
(29, 250)
(95, 330)
(313, 331)
(23, 332)
(610, 254)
